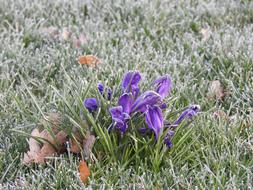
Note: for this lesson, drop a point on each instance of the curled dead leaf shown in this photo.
(89, 60)
(216, 90)
(51, 146)
(84, 171)
(34, 148)
(47, 150)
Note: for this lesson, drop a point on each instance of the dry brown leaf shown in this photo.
(206, 33)
(47, 150)
(89, 60)
(51, 146)
(34, 148)
(88, 144)
(216, 90)
(74, 146)
(61, 139)
(84, 171)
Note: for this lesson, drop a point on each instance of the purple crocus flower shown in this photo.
(120, 114)
(163, 85)
(154, 119)
(101, 88)
(188, 113)
(130, 82)
(91, 104)
(119, 117)
(148, 98)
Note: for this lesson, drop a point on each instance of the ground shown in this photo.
(195, 42)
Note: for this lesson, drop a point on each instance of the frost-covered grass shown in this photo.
(156, 37)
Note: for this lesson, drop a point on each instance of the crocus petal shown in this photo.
(148, 98)
(154, 119)
(168, 142)
(100, 88)
(117, 113)
(122, 127)
(119, 118)
(167, 139)
(163, 106)
(91, 104)
(190, 112)
(131, 78)
(126, 101)
(163, 85)
(130, 82)
(109, 94)
(143, 130)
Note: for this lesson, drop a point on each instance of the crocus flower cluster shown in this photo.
(150, 104)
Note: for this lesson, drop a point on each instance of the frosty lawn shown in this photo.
(204, 47)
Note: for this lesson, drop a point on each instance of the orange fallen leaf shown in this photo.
(84, 171)
(89, 60)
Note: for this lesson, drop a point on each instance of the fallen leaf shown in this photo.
(89, 60)
(34, 148)
(84, 171)
(206, 33)
(61, 139)
(47, 150)
(51, 146)
(216, 90)
(88, 144)
(74, 146)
